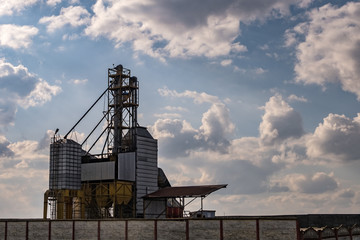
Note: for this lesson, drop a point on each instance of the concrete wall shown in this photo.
(330, 220)
(176, 229)
(327, 233)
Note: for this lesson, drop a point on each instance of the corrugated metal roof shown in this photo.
(143, 132)
(187, 191)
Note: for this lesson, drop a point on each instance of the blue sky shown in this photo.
(261, 95)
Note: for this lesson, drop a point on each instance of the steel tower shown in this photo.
(122, 110)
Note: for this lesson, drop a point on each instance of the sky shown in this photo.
(260, 95)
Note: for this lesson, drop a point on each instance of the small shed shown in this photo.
(169, 202)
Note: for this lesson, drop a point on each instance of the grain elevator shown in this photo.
(111, 183)
(122, 180)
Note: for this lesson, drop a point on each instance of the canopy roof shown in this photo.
(186, 191)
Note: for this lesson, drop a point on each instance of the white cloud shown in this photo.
(19, 87)
(226, 62)
(181, 29)
(294, 98)
(14, 6)
(79, 81)
(199, 98)
(260, 71)
(279, 122)
(15, 36)
(214, 132)
(53, 3)
(247, 164)
(336, 138)
(330, 52)
(216, 127)
(42, 93)
(74, 16)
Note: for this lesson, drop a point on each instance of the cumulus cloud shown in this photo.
(336, 139)
(14, 36)
(279, 122)
(214, 132)
(42, 93)
(74, 16)
(216, 127)
(251, 165)
(14, 6)
(181, 29)
(329, 52)
(176, 137)
(19, 87)
(320, 182)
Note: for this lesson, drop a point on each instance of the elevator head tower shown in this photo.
(122, 110)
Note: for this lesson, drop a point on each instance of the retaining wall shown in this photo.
(186, 229)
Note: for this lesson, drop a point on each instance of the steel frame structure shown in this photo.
(123, 101)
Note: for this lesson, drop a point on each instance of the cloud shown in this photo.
(330, 51)
(44, 143)
(79, 81)
(19, 87)
(24, 164)
(216, 127)
(14, 6)
(53, 3)
(294, 98)
(320, 182)
(260, 71)
(199, 98)
(5, 151)
(74, 16)
(181, 29)
(42, 93)
(250, 165)
(226, 62)
(347, 193)
(277, 188)
(176, 137)
(14, 36)
(336, 138)
(214, 132)
(179, 109)
(279, 122)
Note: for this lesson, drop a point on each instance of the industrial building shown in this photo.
(123, 180)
